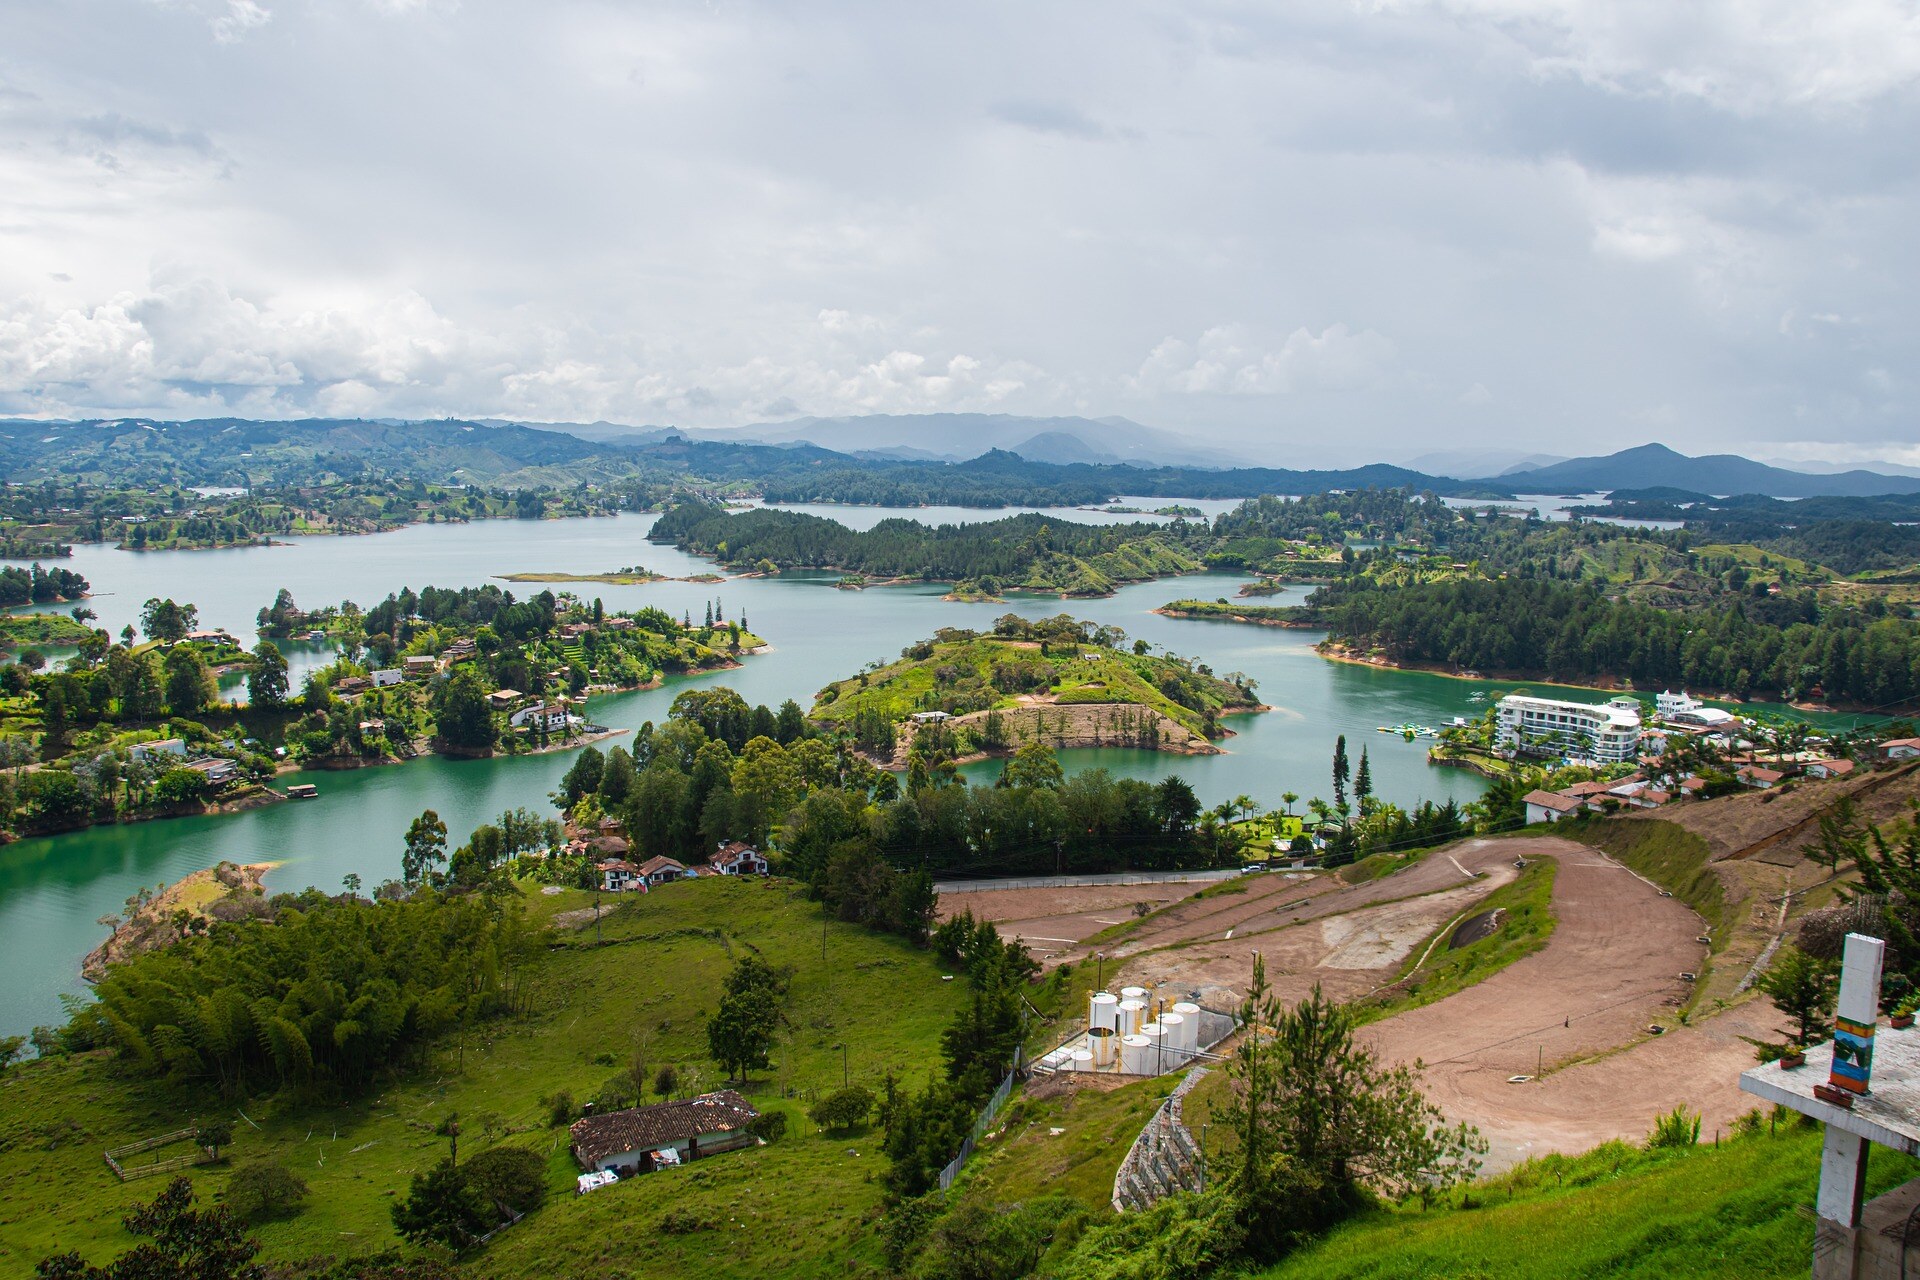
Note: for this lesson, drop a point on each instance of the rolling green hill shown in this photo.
(798, 1207)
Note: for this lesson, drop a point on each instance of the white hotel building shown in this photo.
(1607, 734)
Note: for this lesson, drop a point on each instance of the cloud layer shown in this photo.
(1343, 231)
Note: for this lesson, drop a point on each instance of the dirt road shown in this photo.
(1611, 968)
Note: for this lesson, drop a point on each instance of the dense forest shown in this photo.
(39, 586)
(1787, 644)
(1034, 552)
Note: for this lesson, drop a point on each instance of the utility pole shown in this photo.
(846, 1074)
(596, 913)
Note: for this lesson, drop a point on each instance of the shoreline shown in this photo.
(1334, 651)
(1284, 624)
(152, 926)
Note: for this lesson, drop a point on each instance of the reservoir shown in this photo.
(53, 889)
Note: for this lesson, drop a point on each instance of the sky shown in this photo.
(1313, 233)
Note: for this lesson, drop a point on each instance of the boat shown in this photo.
(303, 791)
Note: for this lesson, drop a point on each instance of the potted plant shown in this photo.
(1795, 1056)
(1903, 1014)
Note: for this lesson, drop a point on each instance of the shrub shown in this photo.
(1678, 1128)
(264, 1190)
(843, 1109)
(683, 1222)
(665, 1081)
(560, 1109)
(769, 1126)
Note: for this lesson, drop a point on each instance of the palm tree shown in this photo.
(1245, 806)
(1288, 798)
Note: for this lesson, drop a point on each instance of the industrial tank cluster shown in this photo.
(1136, 1035)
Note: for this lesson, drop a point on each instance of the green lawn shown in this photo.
(1028, 1159)
(647, 990)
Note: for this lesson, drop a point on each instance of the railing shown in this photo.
(984, 1123)
(116, 1155)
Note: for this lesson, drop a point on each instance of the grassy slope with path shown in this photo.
(649, 988)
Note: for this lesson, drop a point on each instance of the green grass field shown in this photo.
(1727, 1213)
(647, 991)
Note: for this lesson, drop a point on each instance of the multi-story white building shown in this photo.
(1681, 708)
(1604, 734)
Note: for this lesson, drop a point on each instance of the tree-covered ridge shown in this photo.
(1021, 553)
(1057, 661)
(338, 990)
(1789, 644)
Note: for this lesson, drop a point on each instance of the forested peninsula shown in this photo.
(1030, 552)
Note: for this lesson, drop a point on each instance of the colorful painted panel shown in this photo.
(1852, 1054)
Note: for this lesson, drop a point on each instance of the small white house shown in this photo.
(656, 871)
(218, 772)
(737, 859)
(387, 677)
(617, 875)
(1900, 748)
(1551, 806)
(551, 716)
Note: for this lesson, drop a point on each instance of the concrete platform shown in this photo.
(1888, 1116)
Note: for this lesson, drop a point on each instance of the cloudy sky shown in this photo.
(1307, 231)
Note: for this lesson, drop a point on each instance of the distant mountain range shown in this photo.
(1656, 466)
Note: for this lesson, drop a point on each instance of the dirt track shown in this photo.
(1611, 968)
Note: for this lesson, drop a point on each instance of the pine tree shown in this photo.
(1363, 783)
(1340, 773)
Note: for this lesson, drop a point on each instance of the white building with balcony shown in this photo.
(1605, 734)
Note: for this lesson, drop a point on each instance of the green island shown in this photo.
(1226, 611)
(1059, 682)
(56, 630)
(632, 576)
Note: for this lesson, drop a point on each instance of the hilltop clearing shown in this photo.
(1057, 682)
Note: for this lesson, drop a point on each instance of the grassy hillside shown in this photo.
(965, 672)
(1730, 1212)
(646, 991)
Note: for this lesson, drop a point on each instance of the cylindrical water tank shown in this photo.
(1103, 1010)
(1179, 1032)
(1132, 1014)
(1104, 1044)
(1134, 993)
(1155, 1054)
(1191, 1012)
(1134, 1056)
(1082, 1060)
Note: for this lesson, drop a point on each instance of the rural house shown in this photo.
(386, 677)
(1900, 748)
(1551, 806)
(660, 870)
(641, 1139)
(737, 859)
(617, 875)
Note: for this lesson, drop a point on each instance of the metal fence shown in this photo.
(117, 1157)
(984, 1123)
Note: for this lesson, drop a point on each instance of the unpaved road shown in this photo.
(1611, 967)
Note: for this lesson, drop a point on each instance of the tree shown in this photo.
(264, 1190)
(513, 1180)
(11, 1047)
(1175, 805)
(461, 714)
(581, 779)
(426, 848)
(1033, 765)
(740, 1032)
(213, 1135)
(180, 786)
(191, 688)
(442, 1207)
(167, 622)
(1319, 1117)
(185, 1244)
(1802, 988)
(1363, 784)
(1340, 773)
(267, 681)
(843, 1108)
(665, 1081)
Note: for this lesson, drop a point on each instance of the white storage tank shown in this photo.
(1134, 1056)
(1179, 1033)
(1103, 1010)
(1156, 1053)
(1132, 1014)
(1082, 1060)
(1190, 1011)
(1134, 993)
(1104, 1044)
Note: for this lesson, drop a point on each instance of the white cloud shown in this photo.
(1231, 360)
